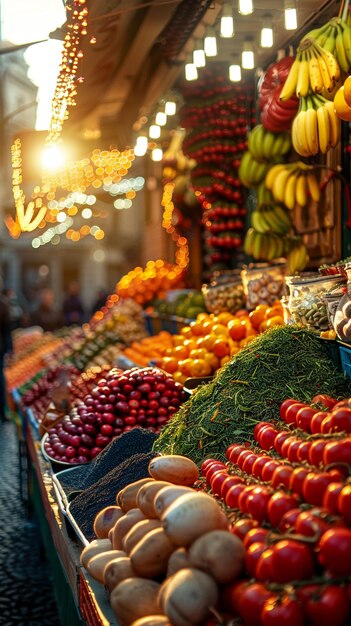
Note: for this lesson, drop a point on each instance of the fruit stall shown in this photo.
(188, 450)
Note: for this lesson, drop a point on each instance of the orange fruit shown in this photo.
(263, 326)
(342, 109)
(273, 311)
(179, 377)
(197, 328)
(256, 317)
(212, 360)
(220, 330)
(221, 347)
(181, 352)
(207, 341)
(225, 360)
(177, 340)
(277, 320)
(186, 331)
(185, 367)
(169, 364)
(197, 353)
(242, 313)
(347, 90)
(246, 340)
(234, 350)
(200, 367)
(224, 318)
(236, 329)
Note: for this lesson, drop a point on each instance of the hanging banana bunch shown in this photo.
(293, 184)
(315, 128)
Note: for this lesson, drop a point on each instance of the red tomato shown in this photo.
(267, 471)
(279, 504)
(254, 535)
(303, 451)
(291, 560)
(259, 427)
(338, 451)
(316, 421)
(259, 465)
(248, 462)
(327, 401)
(314, 487)
(344, 503)
(263, 571)
(287, 522)
(325, 605)
(282, 610)
(206, 464)
(286, 445)
(310, 525)
(335, 551)
(232, 496)
(228, 450)
(266, 438)
(304, 418)
(212, 469)
(292, 411)
(315, 456)
(281, 476)
(243, 526)
(243, 498)
(341, 420)
(252, 555)
(293, 449)
(251, 602)
(230, 596)
(234, 453)
(257, 502)
(297, 480)
(285, 405)
(330, 498)
(229, 482)
(326, 425)
(279, 440)
(217, 481)
(343, 403)
(242, 456)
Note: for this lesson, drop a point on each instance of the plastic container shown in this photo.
(345, 356)
(224, 294)
(263, 283)
(342, 319)
(307, 303)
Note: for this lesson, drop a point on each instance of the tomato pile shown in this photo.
(289, 500)
(120, 401)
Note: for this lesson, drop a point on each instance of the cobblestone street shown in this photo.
(26, 595)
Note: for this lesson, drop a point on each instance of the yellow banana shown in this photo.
(268, 145)
(332, 64)
(303, 80)
(329, 43)
(257, 245)
(313, 187)
(289, 87)
(248, 241)
(244, 169)
(272, 174)
(328, 82)
(311, 128)
(340, 53)
(283, 216)
(279, 184)
(316, 79)
(323, 129)
(289, 191)
(299, 136)
(301, 190)
(346, 35)
(334, 124)
(257, 222)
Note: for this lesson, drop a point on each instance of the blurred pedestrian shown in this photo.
(73, 311)
(5, 348)
(46, 314)
(18, 309)
(100, 300)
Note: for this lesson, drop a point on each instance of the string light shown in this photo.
(247, 56)
(245, 7)
(161, 118)
(235, 73)
(182, 252)
(290, 15)
(156, 154)
(190, 71)
(227, 22)
(154, 131)
(210, 43)
(267, 32)
(170, 107)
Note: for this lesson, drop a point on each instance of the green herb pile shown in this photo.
(285, 362)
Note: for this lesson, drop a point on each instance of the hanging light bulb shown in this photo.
(227, 21)
(235, 73)
(190, 71)
(141, 145)
(170, 107)
(267, 32)
(199, 57)
(247, 56)
(290, 15)
(161, 118)
(245, 7)
(210, 43)
(157, 154)
(154, 131)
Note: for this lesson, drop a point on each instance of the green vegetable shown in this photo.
(281, 363)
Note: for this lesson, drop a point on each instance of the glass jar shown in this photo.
(307, 304)
(342, 319)
(224, 295)
(263, 283)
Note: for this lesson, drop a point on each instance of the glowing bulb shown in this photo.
(170, 107)
(190, 71)
(245, 7)
(290, 15)
(235, 73)
(210, 43)
(267, 33)
(140, 146)
(199, 57)
(161, 118)
(247, 57)
(52, 157)
(156, 154)
(227, 22)
(154, 131)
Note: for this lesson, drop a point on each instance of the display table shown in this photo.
(80, 599)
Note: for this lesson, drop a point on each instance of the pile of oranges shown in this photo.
(145, 284)
(204, 346)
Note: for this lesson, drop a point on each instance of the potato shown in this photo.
(97, 564)
(124, 524)
(179, 559)
(189, 597)
(106, 519)
(192, 515)
(150, 556)
(134, 598)
(137, 532)
(146, 495)
(167, 495)
(117, 570)
(126, 498)
(220, 554)
(94, 547)
(152, 620)
(175, 468)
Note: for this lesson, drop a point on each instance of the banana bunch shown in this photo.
(293, 184)
(316, 127)
(251, 172)
(263, 246)
(314, 69)
(297, 257)
(271, 218)
(264, 195)
(266, 146)
(335, 37)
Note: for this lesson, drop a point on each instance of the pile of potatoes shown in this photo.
(164, 550)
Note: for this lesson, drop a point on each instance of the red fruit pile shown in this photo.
(144, 397)
(39, 396)
(276, 115)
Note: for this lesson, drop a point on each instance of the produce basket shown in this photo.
(345, 358)
(56, 465)
(333, 350)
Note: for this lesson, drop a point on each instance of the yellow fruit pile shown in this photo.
(143, 285)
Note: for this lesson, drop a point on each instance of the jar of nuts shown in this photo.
(307, 303)
(263, 283)
(224, 294)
